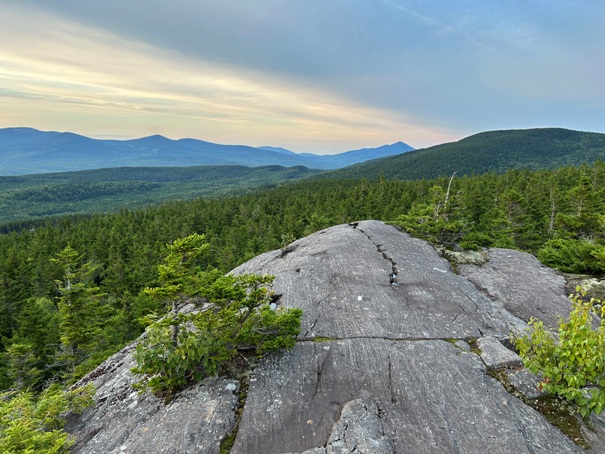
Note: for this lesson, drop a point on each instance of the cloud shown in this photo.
(71, 65)
(354, 72)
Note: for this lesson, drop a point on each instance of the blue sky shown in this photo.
(320, 76)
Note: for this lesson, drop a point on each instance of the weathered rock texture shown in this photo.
(515, 278)
(382, 364)
(123, 421)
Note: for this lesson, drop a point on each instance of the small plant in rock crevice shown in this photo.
(572, 364)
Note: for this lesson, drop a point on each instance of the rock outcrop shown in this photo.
(394, 356)
(123, 421)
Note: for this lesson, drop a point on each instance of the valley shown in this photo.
(107, 255)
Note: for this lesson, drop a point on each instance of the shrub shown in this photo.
(572, 364)
(180, 348)
(34, 425)
(236, 315)
(573, 256)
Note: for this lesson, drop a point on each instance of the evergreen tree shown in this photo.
(82, 313)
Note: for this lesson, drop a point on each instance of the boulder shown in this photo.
(383, 363)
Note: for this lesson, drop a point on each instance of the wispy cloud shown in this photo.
(442, 27)
(311, 75)
(69, 65)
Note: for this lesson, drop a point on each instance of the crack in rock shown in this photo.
(483, 290)
(319, 373)
(309, 332)
(383, 251)
(288, 249)
(391, 339)
(393, 398)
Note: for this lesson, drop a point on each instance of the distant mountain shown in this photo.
(276, 149)
(29, 151)
(495, 151)
(365, 154)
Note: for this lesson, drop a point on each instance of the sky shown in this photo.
(319, 76)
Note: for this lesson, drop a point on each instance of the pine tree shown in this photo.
(81, 311)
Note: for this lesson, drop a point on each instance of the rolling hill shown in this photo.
(493, 151)
(25, 151)
(105, 190)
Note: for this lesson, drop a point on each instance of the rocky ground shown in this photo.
(397, 354)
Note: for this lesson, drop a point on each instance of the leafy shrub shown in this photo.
(573, 364)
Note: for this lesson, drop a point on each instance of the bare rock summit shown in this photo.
(395, 356)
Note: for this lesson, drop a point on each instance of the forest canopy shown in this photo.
(555, 214)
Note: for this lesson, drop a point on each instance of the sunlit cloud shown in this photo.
(314, 75)
(86, 70)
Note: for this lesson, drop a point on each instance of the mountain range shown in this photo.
(26, 151)
(41, 193)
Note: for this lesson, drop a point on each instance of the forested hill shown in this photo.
(493, 151)
(556, 214)
(28, 197)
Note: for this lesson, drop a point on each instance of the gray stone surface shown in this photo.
(495, 355)
(525, 287)
(462, 345)
(359, 430)
(388, 302)
(596, 437)
(432, 398)
(123, 421)
(311, 451)
(526, 383)
(341, 279)
(381, 364)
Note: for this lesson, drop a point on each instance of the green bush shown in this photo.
(180, 348)
(573, 256)
(34, 425)
(235, 315)
(572, 364)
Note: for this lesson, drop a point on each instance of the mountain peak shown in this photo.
(29, 151)
(157, 137)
